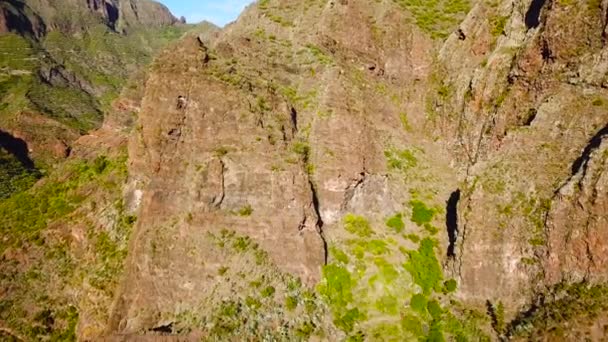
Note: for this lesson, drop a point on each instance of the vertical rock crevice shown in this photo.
(319, 224)
(451, 221)
(294, 119)
(582, 162)
(533, 14)
(219, 199)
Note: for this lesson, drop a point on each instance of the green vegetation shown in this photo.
(302, 100)
(26, 214)
(424, 266)
(396, 223)
(302, 148)
(405, 122)
(94, 68)
(497, 25)
(375, 287)
(401, 160)
(17, 67)
(450, 286)
(564, 305)
(71, 106)
(246, 211)
(264, 6)
(438, 18)
(14, 176)
(421, 214)
(221, 151)
(321, 56)
(498, 318)
(40, 300)
(357, 225)
(264, 304)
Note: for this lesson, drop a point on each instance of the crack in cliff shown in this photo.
(463, 241)
(294, 119)
(217, 201)
(462, 232)
(531, 116)
(163, 329)
(319, 223)
(533, 14)
(582, 162)
(451, 221)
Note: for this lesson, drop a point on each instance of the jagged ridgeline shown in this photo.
(334, 170)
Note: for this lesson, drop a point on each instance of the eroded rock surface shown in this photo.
(290, 126)
(366, 170)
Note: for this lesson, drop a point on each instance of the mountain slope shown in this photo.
(350, 134)
(65, 227)
(63, 63)
(342, 170)
(296, 139)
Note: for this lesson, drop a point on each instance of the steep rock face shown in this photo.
(516, 96)
(576, 224)
(16, 16)
(203, 170)
(289, 124)
(144, 12)
(522, 99)
(62, 63)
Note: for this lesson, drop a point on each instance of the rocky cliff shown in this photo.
(326, 149)
(357, 170)
(35, 17)
(63, 63)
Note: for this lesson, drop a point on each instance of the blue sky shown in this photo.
(219, 12)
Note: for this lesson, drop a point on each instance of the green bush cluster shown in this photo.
(14, 176)
(396, 223)
(357, 225)
(266, 304)
(421, 214)
(401, 160)
(497, 25)
(424, 267)
(377, 289)
(26, 214)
